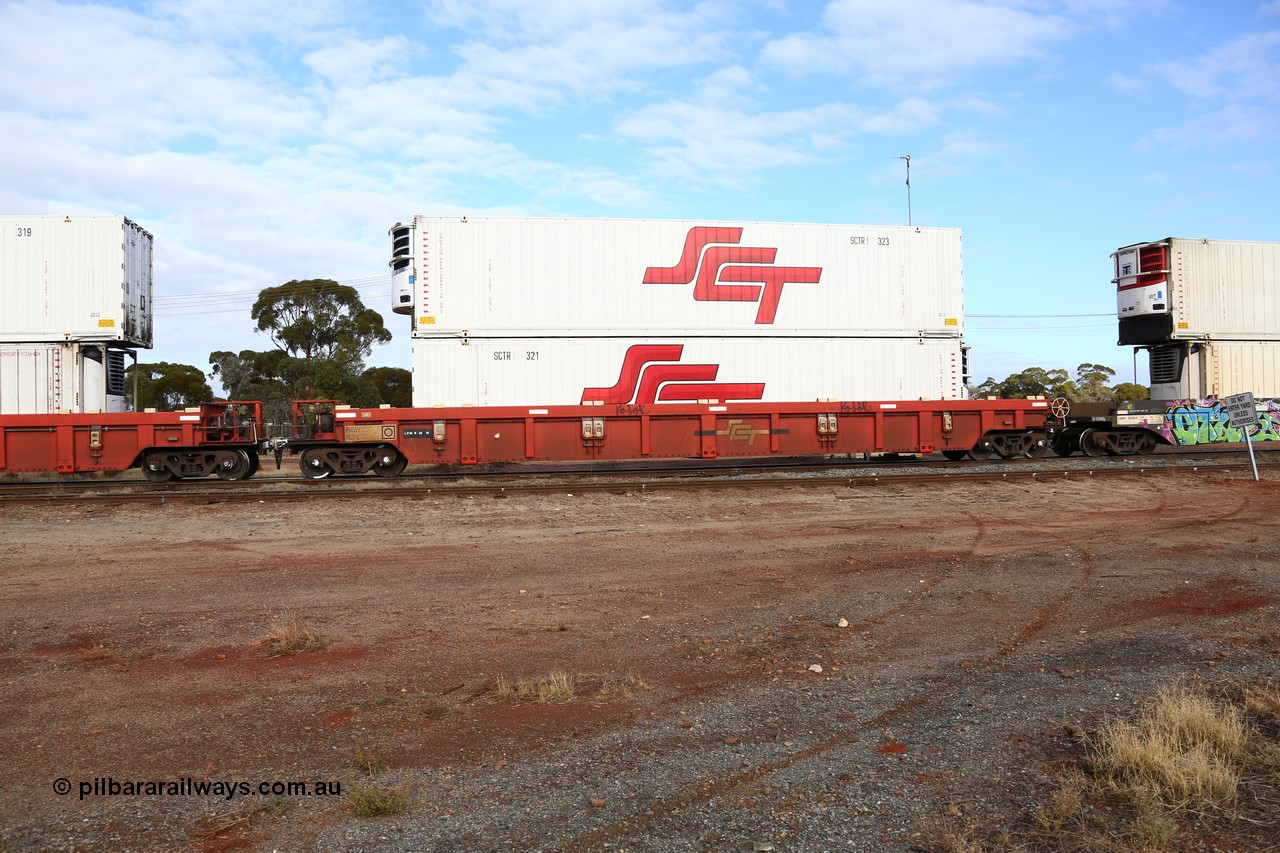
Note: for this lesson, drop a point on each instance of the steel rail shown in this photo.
(595, 482)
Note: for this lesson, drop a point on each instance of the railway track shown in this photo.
(695, 474)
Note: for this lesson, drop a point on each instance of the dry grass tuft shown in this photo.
(1263, 701)
(552, 689)
(1064, 804)
(372, 762)
(1195, 763)
(372, 801)
(1182, 752)
(288, 635)
(559, 688)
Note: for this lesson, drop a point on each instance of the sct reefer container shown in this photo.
(43, 379)
(1187, 290)
(1198, 371)
(561, 278)
(74, 278)
(621, 371)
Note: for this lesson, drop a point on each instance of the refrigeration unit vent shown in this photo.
(1166, 364)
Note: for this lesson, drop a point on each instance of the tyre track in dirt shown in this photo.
(1045, 618)
(701, 792)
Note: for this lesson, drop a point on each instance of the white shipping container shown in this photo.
(74, 278)
(1180, 289)
(560, 278)
(618, 371)
(42, 379)
(1197, 371)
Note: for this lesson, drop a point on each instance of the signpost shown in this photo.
(1243, 415)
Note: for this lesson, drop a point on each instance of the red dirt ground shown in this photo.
(131, 645)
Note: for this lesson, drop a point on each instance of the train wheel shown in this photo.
(954, 455)
(1092, 444)
(1037, 445)
(314, 465)
(982, 451)
(236, 466)
(154, 469)
(390, 463)
(254, 463)
(1147, 445)
(1062, 446)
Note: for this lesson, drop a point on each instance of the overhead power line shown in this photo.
(189, 304)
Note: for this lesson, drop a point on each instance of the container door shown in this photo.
(137, 285)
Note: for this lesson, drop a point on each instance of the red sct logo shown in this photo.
(722, 271)
(650, 374)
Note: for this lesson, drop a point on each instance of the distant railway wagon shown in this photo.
(1179, 289)
(222, 439)
(330, 438)
(384, 440)
(1207, 313)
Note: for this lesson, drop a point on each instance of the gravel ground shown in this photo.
(980, 619)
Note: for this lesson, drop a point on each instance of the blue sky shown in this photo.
(260, 147)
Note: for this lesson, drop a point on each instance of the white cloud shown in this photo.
(1244, 68)
(919, 41)
(357, 61)
(1237, 85)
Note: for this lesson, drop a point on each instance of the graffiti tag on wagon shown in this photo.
(1192, 422)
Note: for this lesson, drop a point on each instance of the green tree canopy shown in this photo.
(1090, 384)
(1032, 382)
(166, 387)
(318, 318)
(322, 332)
(1130, 391)
(394, 384)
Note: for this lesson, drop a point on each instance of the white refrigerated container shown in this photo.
(41, 378)
(1200, 370)
(75, 278)
(1187, 290)
(561, 278)
(625, 370)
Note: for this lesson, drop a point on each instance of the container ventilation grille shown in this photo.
(1166, 365)
(115, 372)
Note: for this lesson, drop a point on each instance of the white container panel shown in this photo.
(1200, 371)
(563, 278)
(41, 379)
(619, 371)
(1225, 289)
(83, 278)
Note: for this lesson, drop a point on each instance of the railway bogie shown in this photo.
(1100, 429)
(217, 439)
